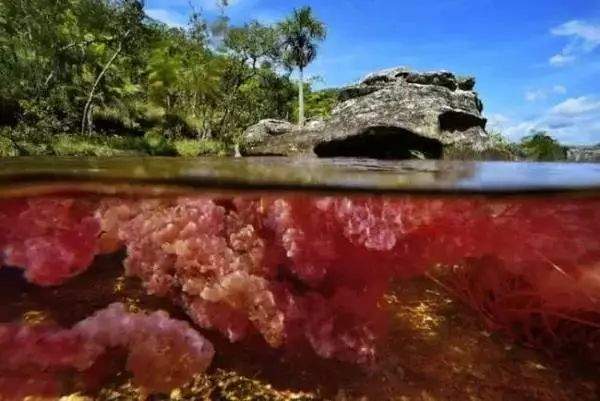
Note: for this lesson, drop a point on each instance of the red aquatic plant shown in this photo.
(257, 265)
(53, 239)
(529, 266)
(540, 304)
(34, 359)
(302, 270)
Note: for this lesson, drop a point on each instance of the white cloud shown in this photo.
(583, 38)
(559, 89)
(533, 95)
(510, 128)
(169, 17)
(521, 129)
(560, 60)
(513, 130)
(576, 107)
(266, 17)
(589, 33)
(497, 120)
(575, 121)
(213, 5)
(175, 13)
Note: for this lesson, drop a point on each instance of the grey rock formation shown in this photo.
(265, 129)
(391, 114)
(584, 154)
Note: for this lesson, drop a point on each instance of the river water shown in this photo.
(311, 279)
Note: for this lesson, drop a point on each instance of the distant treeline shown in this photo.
(538, 146)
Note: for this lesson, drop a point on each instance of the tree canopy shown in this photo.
(540, 146)
(301, 33)
(103, 67)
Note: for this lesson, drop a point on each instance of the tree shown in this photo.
(128, 17)
(252, 44)
(104, 67)
(300, 34)
(540, 146)
(248, 49)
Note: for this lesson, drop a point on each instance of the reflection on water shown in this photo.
(412, 293)
(308, 174)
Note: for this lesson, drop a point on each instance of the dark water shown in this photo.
(310, 279)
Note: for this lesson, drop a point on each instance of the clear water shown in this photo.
(312, 279)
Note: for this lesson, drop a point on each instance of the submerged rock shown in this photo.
(390, 114)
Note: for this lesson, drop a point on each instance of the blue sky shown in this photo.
(537, 62)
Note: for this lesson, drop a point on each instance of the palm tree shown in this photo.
(300, 33)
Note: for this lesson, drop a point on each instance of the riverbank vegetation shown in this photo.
(101, 77)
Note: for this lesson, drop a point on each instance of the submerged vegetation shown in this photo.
(244, 267)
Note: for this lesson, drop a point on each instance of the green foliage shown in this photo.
(115, 120)
(156, 144)
(7, 148)
(502, 146)
(468, 152)
(540, 146)
(321, 103)
(498, 148)
(254, 43)
(103, 65)
(301, 32)
(56, 50)
(195, 148)
(152, 143)
(71, 145)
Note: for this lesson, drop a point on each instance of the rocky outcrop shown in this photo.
(584, 154)
(391, 114)
(266, 129)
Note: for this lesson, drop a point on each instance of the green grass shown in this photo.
(25, 141)
(195, 148)
(157, 144)
(66, 145)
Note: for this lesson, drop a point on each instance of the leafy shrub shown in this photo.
(157, 144)
(195, 148)
(27, 148)
(116, 120)
(180, 125)
(148, 115)
(319, 104)
(71, 145)
(7, 148)
(539, 146)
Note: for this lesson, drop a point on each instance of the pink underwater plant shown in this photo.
(311, 270)
(162, 353)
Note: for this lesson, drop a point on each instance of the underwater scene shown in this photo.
(157, 279)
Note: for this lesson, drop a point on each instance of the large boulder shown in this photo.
(266, 129)
(391, 114)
